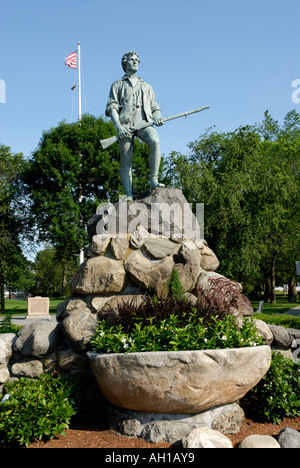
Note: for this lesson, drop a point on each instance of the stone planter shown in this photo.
(184, 382)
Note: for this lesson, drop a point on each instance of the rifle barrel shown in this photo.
(185, 114)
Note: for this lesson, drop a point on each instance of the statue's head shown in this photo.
(126, 56)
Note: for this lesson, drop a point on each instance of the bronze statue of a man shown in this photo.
(132, 102)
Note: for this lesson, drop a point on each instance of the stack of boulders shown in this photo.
(133, 248)
(132, 252)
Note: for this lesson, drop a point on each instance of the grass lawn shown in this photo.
(272, 313)
(16, 307)
(282, 305)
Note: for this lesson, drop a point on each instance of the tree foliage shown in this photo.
(13, 225)
(69, 175)
(51, 277)
(249, 182)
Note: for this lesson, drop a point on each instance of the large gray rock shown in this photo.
(188, 265)
(100, 243)
(289, 438)
(110, 310)
(152, 276)
(37, 339)
(259, 441)
(209, 260)
(159, 247)
(281, 337)
(163, 211)
(99, 275)
(79, 327)
(165, 431)
(4, 375)
(119, 247)
(6, 342)
(179, 381)
(263, 330)
(204, 437)
(31, 369)
(66, 307)
(166, 427)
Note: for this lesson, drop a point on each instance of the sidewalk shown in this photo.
(295, 312)
(22, 320)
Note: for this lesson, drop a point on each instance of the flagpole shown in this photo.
(81, 255)
(79, 83)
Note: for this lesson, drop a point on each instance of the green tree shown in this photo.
(52, 276)
(12, 220)
(69, 175)
(20, 276)
(248, 181)
(277, 200)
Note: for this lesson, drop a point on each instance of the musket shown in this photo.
(109, 141)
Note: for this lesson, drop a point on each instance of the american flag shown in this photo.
(71, 60)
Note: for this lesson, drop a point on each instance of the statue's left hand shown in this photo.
(158, 122)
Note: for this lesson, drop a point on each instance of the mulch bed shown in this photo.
(89, 433)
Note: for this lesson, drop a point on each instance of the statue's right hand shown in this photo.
(123, 132)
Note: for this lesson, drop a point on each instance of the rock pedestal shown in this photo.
(134, 246)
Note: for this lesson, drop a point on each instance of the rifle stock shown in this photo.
(110, 141)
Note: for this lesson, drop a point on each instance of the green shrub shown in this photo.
(277, 395)
(175, 334)
(176, 290)
(284, 320)
(36, 409)
(6, 325)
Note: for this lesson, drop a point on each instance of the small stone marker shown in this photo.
(37, 307)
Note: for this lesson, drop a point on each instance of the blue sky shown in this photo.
(240, 57)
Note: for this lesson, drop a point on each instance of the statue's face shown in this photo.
(132, 63)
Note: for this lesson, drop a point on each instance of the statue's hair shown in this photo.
(125, 57)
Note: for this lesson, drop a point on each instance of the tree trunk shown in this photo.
(273, 282)
(64, 281)
(290, 291)
(2, 298)
(267, 286)
(270, 283)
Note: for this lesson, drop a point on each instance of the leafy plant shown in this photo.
(286, 321)
(6, 325)
(174, 334)
(176, 290)
(277, 395)
(37, 409)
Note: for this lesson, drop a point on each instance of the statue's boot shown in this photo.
(154, 163)
(126, 180)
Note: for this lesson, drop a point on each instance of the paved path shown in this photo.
(295, 311)
(22, 320)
